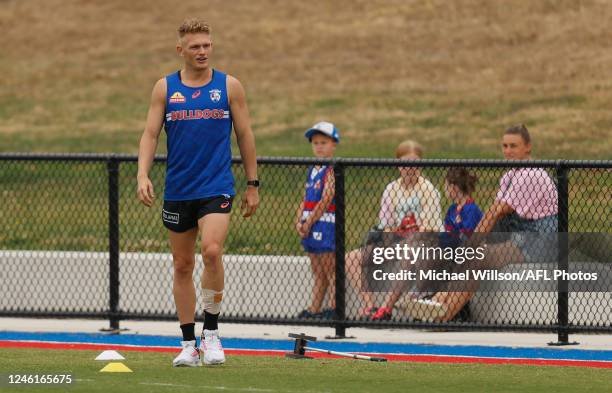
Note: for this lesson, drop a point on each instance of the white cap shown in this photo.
(325, 128)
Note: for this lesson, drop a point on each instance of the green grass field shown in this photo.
(153, 373)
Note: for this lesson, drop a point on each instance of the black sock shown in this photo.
(210, 321)
(188, 331)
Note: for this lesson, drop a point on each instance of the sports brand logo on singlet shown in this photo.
(177, 98)
(215, 95)
(196, 114)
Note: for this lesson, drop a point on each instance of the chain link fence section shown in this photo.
(54, 233)
(590, 216)
(59, 242)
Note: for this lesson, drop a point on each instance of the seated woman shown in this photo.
(410, 203)
(526, 201)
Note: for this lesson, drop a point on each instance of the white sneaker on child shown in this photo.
(189, 356)
(210, 348)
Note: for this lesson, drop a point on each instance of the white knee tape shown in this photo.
(212, 300)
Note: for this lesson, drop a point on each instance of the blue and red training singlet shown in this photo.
(199, 125)
(322, 234)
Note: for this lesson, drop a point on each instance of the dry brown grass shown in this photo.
(78, 74)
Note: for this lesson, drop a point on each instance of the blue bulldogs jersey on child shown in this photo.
(460, 224)
(199, 125)
(322, 237)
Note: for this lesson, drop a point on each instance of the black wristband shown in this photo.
(253, 183)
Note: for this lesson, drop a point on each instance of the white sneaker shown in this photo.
(425, 310)
(189, 356)
(210, 348)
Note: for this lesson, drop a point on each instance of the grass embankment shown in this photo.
(77, 75)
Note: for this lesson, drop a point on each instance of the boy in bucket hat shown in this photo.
(316, 219)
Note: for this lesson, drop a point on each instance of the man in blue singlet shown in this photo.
(197, 106)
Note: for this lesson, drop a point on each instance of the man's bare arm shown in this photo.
(246, 142)
(149, 140)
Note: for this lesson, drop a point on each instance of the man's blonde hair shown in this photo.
(409, 146)
(192, 26)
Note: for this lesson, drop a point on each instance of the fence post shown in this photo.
(563, 264)
(113, 240)
(340, 240)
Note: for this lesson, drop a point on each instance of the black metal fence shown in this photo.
(75, 242)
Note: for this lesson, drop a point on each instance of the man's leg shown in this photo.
(182, 246)
(214, 228)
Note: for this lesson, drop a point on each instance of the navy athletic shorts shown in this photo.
(181, 216)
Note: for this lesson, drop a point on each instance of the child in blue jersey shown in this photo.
(462, 218)
(316, 219)
(463, 215)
